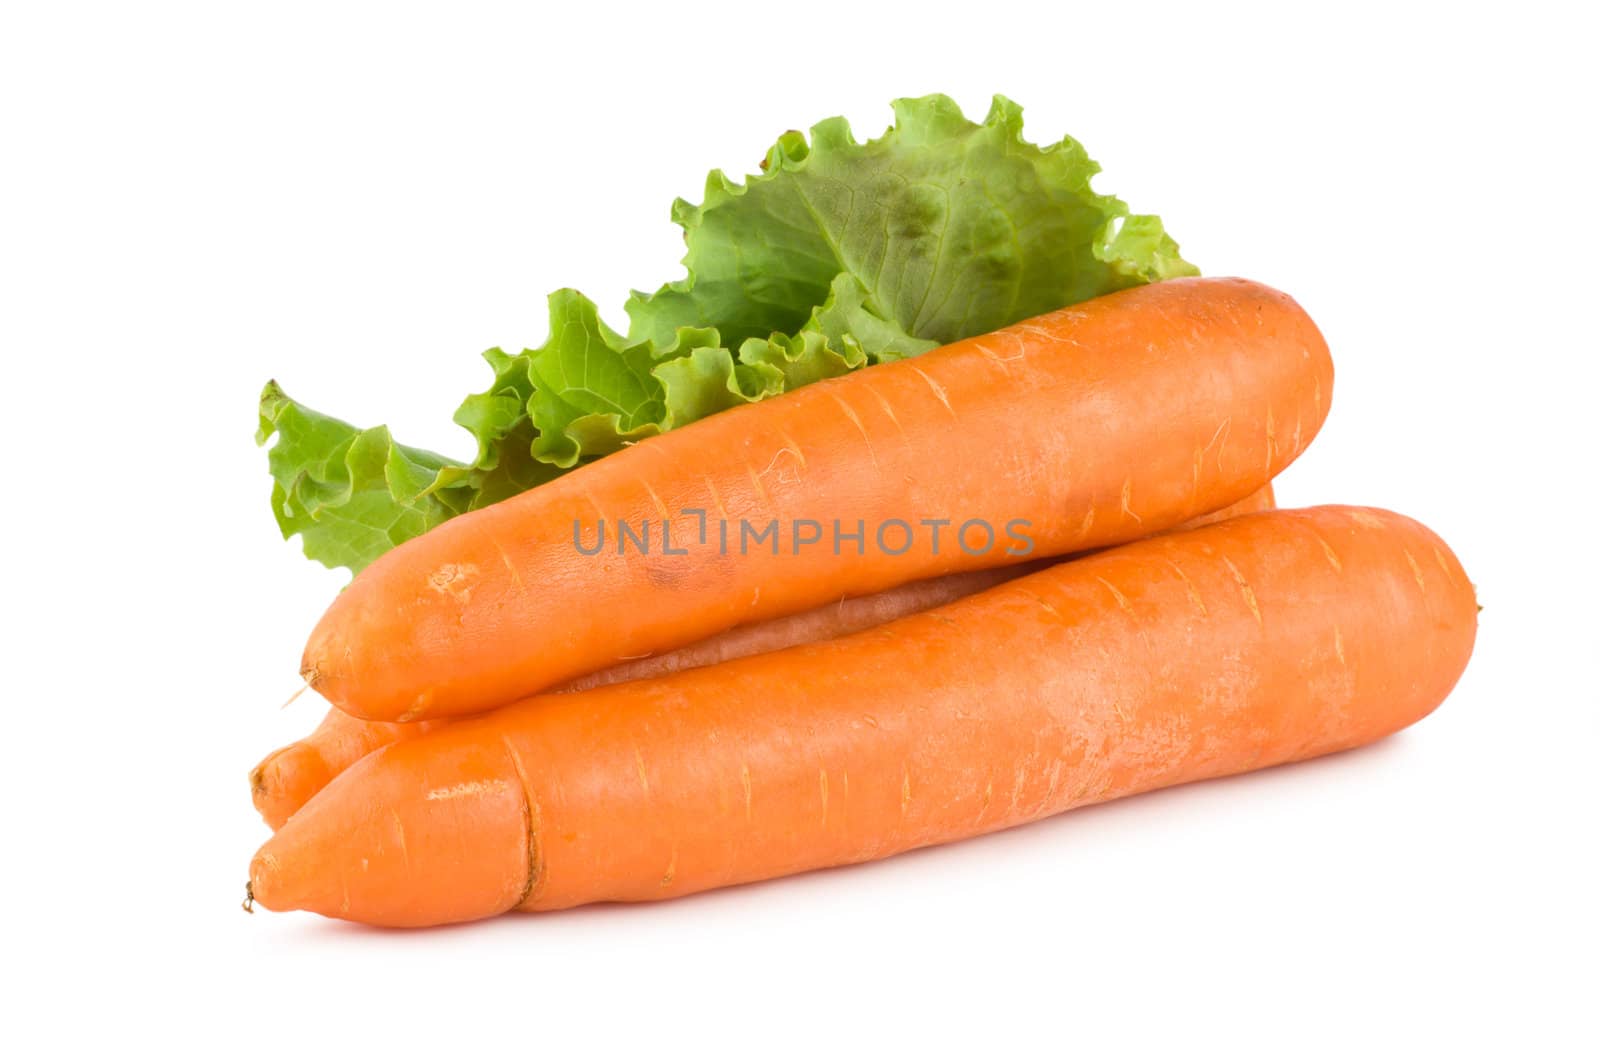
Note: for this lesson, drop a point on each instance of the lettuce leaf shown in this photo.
(951, 228)
(838, 255)
(351, 493)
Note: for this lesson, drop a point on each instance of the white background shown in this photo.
(357, 201)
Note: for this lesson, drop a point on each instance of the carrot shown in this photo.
(1096, 424)
(1260, 640)
(287, 778)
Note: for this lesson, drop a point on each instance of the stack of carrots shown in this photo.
(524, 722)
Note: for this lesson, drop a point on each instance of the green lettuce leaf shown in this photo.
(837, 256)
(351, 493)
(951, 228)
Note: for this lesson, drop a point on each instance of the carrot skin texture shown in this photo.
(1099, 423)
(1259, 501)
(1260, 640)
(287, 778)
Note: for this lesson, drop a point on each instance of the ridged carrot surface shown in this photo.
(1097, 424)
(286, 779)
(1260, 640)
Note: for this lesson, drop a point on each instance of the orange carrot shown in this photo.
(1260, 640)
(287, 778)
(1093, 425)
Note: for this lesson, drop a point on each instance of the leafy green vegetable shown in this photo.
(352, 493)
(838, 255)
(952, 229)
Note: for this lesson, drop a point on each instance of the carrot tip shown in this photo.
(303, 689)
(249, 903)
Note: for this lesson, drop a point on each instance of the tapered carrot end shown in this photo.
(316, 654)
(327, 667)
(262, 887)
(429, 831)
(285, 780)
